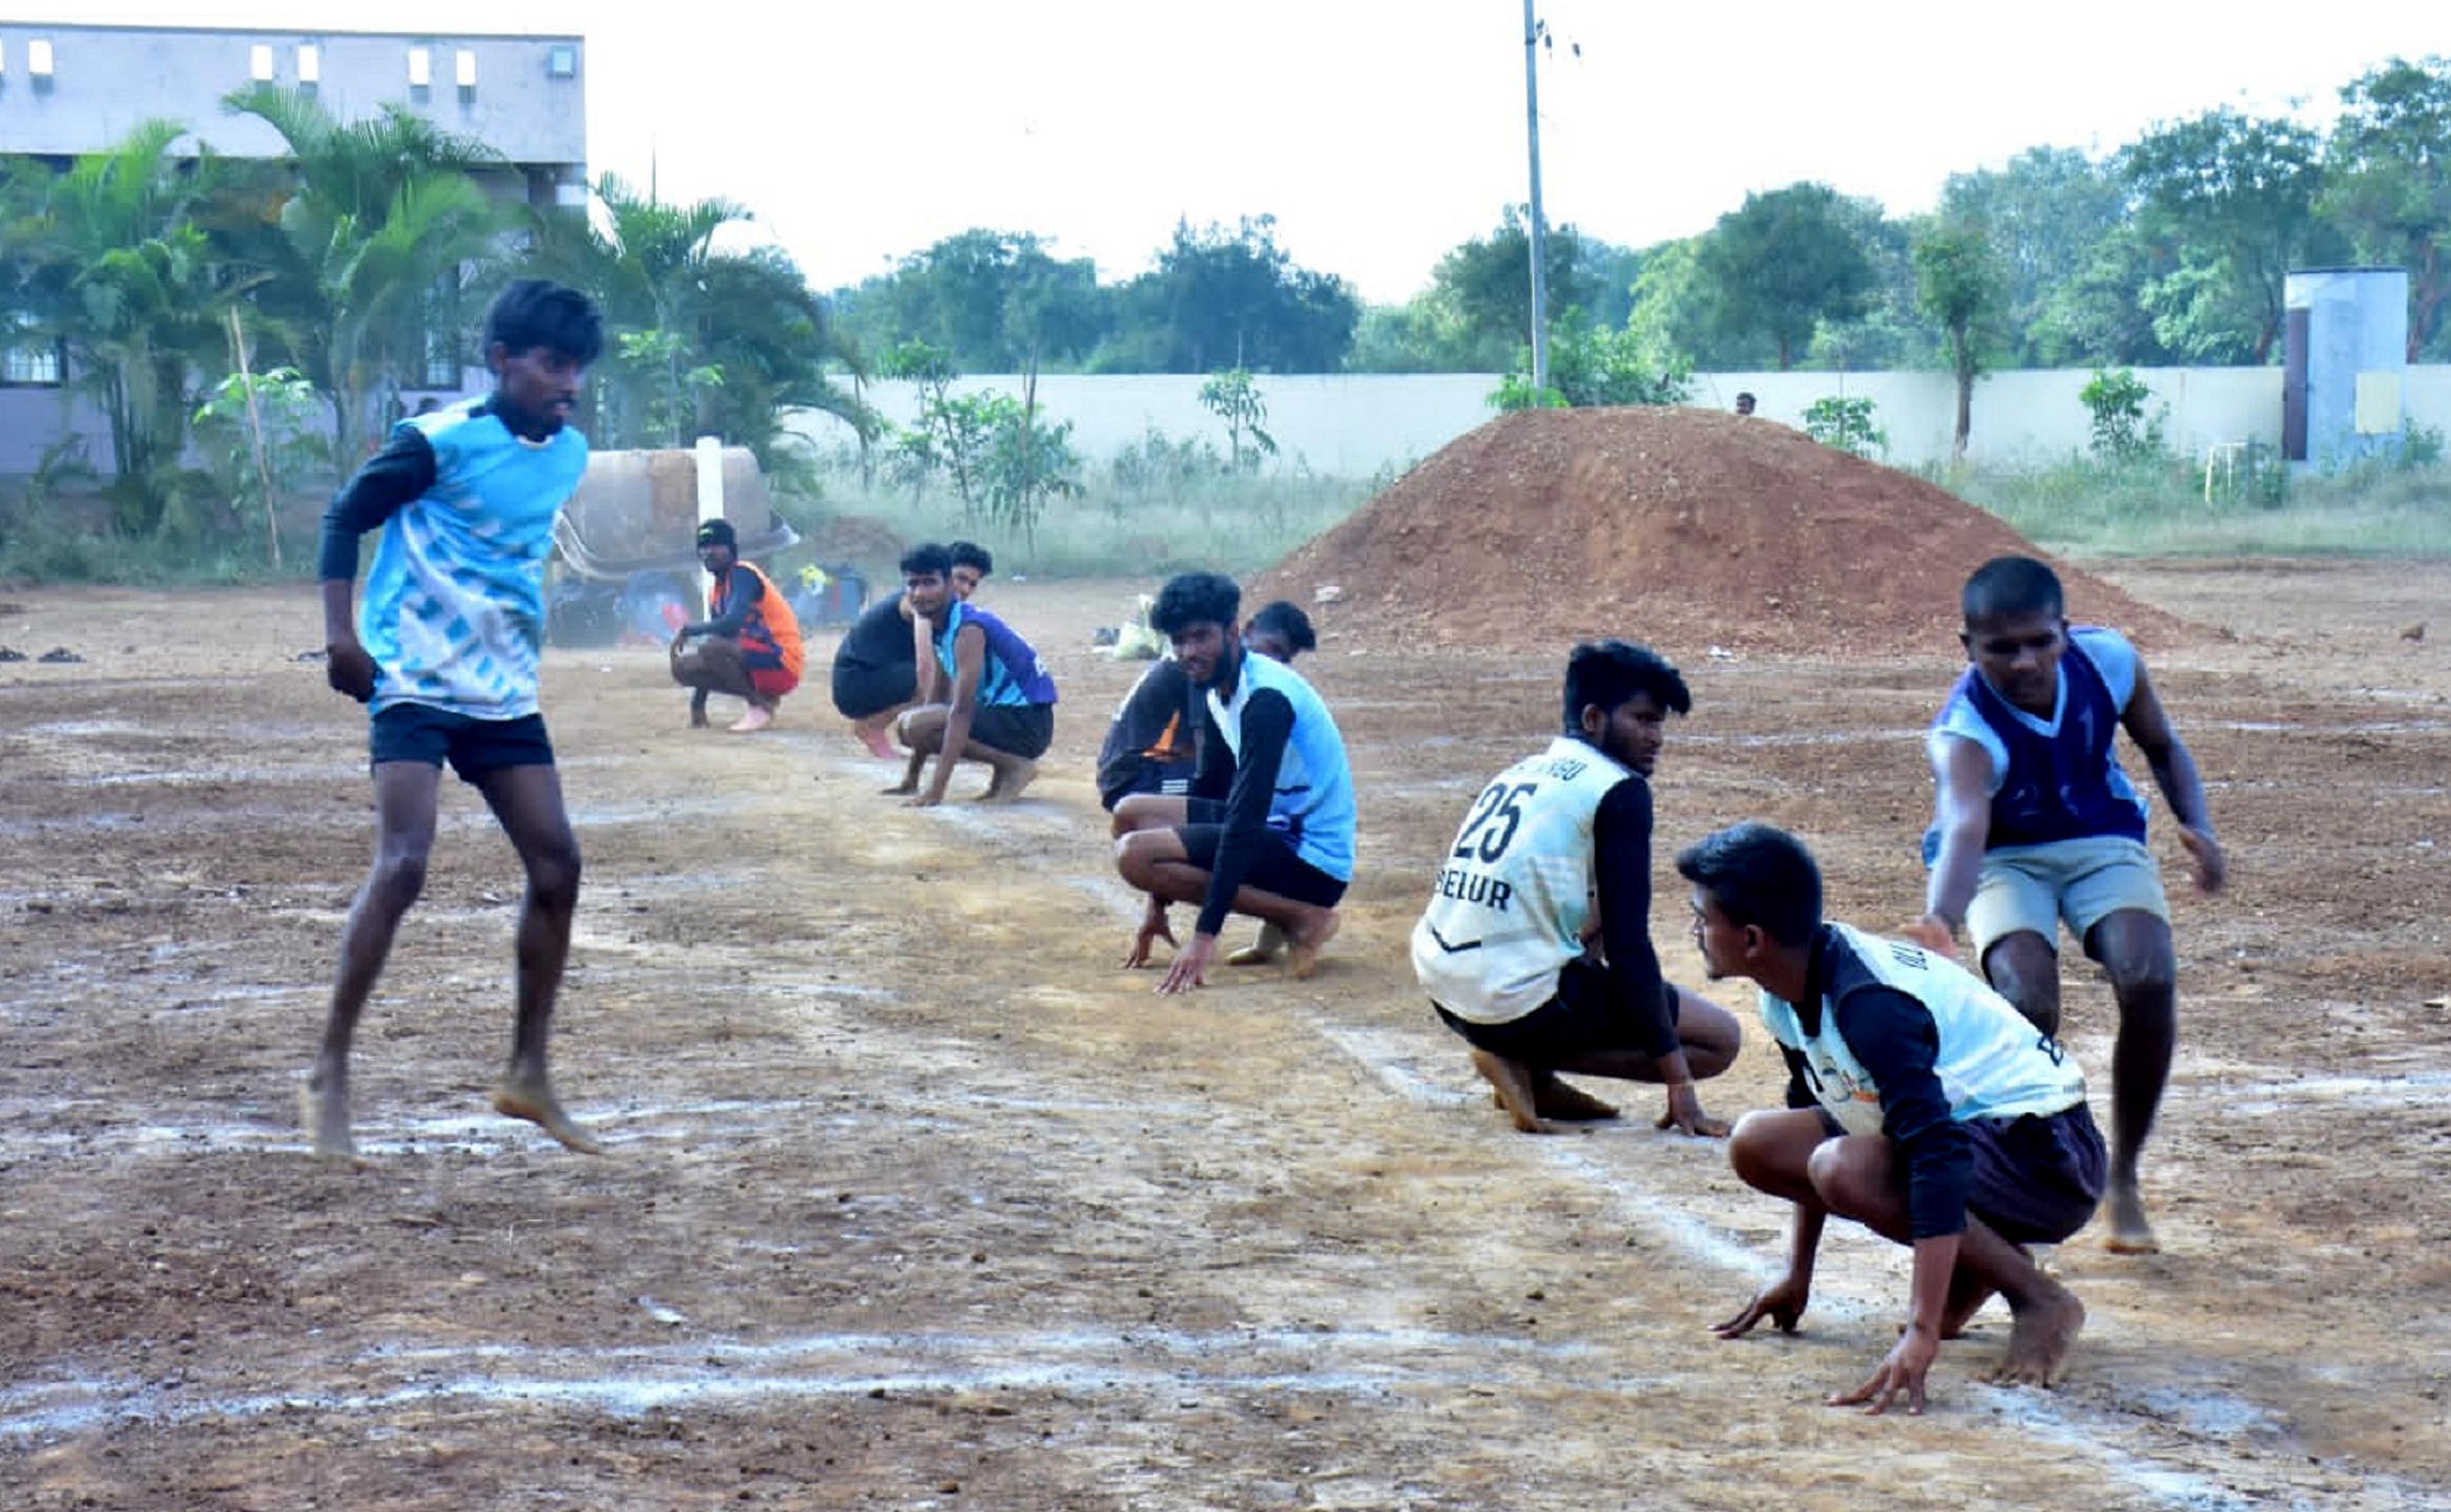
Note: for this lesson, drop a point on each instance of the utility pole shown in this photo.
(1539, 232)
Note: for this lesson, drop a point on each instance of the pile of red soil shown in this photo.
(1682, 528)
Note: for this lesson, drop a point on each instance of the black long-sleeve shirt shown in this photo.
(746, 591)
(1622, 867)
(1247, 781)
(1164, 695)
(1898, 1042)
(403, 470)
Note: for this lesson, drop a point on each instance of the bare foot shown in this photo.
(1262, 951)
(1567, 1103)
(325, 1114)
(877, 745)
(2131, 1233)
(757, 718)
(2040, 1336)
(1302, 958)
(1005, 785)
(901, 790)
(1513, 1080)
(535, 1102)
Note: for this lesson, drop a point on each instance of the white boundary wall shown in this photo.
(1353, 425)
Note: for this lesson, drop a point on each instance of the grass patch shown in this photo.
(2157, 507)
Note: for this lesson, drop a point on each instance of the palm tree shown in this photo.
(111, 263)
(379, 215)
(705, 341)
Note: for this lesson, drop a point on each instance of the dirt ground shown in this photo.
(915, 1201)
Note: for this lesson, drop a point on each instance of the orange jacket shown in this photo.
(771, 624)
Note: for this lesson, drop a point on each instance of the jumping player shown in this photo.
(1267, 829)
(750, 644)
(444, 654)
(985, 695)
(1919, 1104)
(2035, 823)
(1506, 948)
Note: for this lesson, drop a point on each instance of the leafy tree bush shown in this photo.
(1845, 424)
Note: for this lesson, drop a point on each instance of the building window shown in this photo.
(38, 59)
(465, 69)
(259, 63)
(421, 68)
(562, 62)
(31, 360)
(310, 63)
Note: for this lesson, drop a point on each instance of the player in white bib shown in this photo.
(1919, 1104)
(1536, 947)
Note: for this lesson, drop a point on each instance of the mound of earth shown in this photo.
(1686, 529)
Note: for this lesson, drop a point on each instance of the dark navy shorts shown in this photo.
(861, 690)
(1277, 868)
(1586, 1016)
(2036, 1179)
(414, 731)
(1025, 730)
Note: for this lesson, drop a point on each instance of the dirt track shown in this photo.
(916, 1201)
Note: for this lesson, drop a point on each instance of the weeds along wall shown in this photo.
(1353, 425)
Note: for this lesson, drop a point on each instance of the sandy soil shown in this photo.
(915, 1199)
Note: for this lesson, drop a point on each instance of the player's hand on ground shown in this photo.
(1684, 1114)
(1782, 1302)
(2212, 867)
(1901, 1372)
(1934, 936)
(1190, 967)
(349, 670)
(927, 800)
(1154, 928)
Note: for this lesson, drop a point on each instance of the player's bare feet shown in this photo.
(1567, 1103)
(757, 718)
(1513, 1080)
(2130, 1232)
(877, 745)
(534, 1101)
(1305, 942)
(2042, 1333)
(1262, 951)
(901, 790)
(1006, 784)
(323, 1113)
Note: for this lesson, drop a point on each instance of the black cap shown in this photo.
(716, 533)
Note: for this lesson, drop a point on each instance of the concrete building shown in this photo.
(67, 88)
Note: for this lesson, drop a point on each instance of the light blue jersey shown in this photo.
(454, 607)
(1313, 802)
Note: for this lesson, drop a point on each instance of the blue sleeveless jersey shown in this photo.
(454, 607)
(1011, 672)
(2055, 779)
(1313, 804)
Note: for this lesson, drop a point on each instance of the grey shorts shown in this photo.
(2035, 887)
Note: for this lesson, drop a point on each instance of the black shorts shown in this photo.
(1277, 868)
(417, 732)
(861, 690)
(1165, 780)
(1025, 730)
(1584, 1017)
(2036, 1179)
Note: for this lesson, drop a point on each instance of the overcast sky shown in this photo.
(1378, 133)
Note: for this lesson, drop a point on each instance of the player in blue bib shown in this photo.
(984, 695)
(2035, 824)
(1268, 828)
(444, 652)
(1919, 1104)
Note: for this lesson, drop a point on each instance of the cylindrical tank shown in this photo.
(2344, 365)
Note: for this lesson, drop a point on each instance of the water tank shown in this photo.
(2344, 365)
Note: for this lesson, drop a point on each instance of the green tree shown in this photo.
(1961, 283)
(2048, 214)
(377, 221)
(2230, 201)
(1486, 284)
(1233, 398)
(108, 261)
(2388, 181)
(995, 300)
(1590, 366)
(1232, 299)
(1782, 264)
(1845, 424)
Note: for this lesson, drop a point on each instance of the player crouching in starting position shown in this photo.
(1509, 950)
(1268, 827)
(1920, 1105)
(453, 623)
